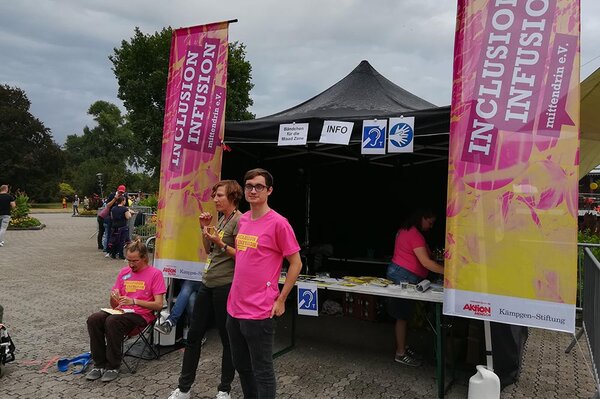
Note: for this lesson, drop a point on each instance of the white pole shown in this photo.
(488, 345)
(485, 384)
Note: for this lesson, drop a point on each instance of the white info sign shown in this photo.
(335, 132)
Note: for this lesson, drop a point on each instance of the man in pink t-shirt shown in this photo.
(138, 292)
(264, 239)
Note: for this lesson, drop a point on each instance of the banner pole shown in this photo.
(488, 345)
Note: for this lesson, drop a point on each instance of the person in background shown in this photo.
(119, 237)
(75, 205)
(411, 263)
(86, 203)
(110, 201)
(7, 203)
(264, 239)
(139, 291)
(64, 202)
(100, 221)
(211, 300)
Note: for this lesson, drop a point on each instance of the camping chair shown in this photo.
(139, 344)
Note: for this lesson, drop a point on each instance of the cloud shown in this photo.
(57, 50)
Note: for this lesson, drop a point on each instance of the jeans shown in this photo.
(4, 220)
(252, 352)
(185, 300)
(209, 302)
(398, 274)
(107, 333)
(118, 239)
(106, 235)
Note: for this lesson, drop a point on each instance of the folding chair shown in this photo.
(139, 344)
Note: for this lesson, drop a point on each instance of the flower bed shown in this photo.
(20, 219)
(25, 223)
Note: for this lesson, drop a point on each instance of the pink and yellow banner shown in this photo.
(511, 239)
(191, 146)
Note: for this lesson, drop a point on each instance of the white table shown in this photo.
(391, 291)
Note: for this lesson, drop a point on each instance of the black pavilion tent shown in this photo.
(331, 193)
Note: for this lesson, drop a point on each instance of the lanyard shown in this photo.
(221, 227)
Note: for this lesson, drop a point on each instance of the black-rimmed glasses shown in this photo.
(258, 187)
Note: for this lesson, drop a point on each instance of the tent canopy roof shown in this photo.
(363, 94)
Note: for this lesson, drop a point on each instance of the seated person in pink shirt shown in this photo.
(411, 263)
(139, 291)
(264, 239)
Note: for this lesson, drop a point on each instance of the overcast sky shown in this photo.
(57, 51)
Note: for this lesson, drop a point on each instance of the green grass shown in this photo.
(51, 205)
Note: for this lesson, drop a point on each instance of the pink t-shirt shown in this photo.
(404, 254)
(260, 246)
(141, 285)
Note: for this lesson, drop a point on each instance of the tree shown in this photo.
(105, 148)
(30, 159)
(239, 84)
(141, 67)
(65, 190)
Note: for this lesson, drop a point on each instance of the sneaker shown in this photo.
(94, 374)
(109, 375)
(412, 353)
(107, 255)
(223, 395)
(202, 344)
(177, 394)
(407, 360)
(164, 328)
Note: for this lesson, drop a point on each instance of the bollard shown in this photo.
(165, 339)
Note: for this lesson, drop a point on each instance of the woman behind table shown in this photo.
(411, 263)
(211, 298)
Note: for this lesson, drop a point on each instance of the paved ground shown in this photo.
(51, 280)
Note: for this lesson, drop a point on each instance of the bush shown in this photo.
(22, 208)
(95, 202)
(586, 236)
(88, 212)
(151, 201)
